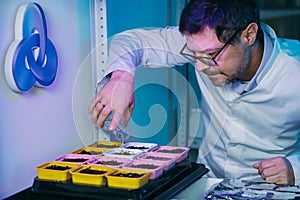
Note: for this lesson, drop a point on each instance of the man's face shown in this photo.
(230, 62)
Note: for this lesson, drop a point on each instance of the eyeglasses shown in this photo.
(207, 60)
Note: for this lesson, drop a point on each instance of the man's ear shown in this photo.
(250, 33)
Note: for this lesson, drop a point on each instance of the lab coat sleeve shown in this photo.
(157, 47)
(295, 162)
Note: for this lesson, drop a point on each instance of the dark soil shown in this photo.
(157, 158)
(106, 145)
(135, 147)
(57, 167)
(92, 171)
(74, 159)
(125, 153)
(90, 152)
(171, 151)
(110, 162)
(145, 166)
(129, 175)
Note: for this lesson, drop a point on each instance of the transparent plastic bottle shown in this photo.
(121, 133)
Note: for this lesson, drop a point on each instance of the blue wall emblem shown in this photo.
(31, 58)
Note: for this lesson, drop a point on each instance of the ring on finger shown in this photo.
(101, 104)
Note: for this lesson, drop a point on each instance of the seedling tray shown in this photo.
(105, 144)
(90, 151)
(76, 158)
(156, 169)
(93, 174)
(167, 159)
(164, 187)
(111, 161)
(180, 152)
(128, 178)
(140, 146)
(123, 153)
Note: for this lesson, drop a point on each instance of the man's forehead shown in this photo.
(202, 41)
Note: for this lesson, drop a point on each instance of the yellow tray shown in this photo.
(91, 151)
(128, 182)
(91, 179)
(55, 174)
(106, 144)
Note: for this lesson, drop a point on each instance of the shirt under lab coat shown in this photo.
(239, 129)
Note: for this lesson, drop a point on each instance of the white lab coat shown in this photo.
(239, 129)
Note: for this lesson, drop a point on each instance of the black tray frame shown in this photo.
(162, 188)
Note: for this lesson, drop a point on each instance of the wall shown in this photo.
(38, 126)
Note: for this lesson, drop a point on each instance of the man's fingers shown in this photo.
(269, 172)
(117, 116)
(95, 114)
(105, 112)
(93, 103)
(128, 113)
(276, 170)
(256, 165)
(267, 164)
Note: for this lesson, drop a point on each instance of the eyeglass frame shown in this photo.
(200, 58)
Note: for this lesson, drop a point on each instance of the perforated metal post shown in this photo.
(183, 116)
(99, 45)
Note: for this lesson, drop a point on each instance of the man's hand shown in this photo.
(116, 96)
(276, 170)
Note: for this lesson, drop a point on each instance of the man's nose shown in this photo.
(201, 66)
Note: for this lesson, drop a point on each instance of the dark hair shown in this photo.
(224, 16)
